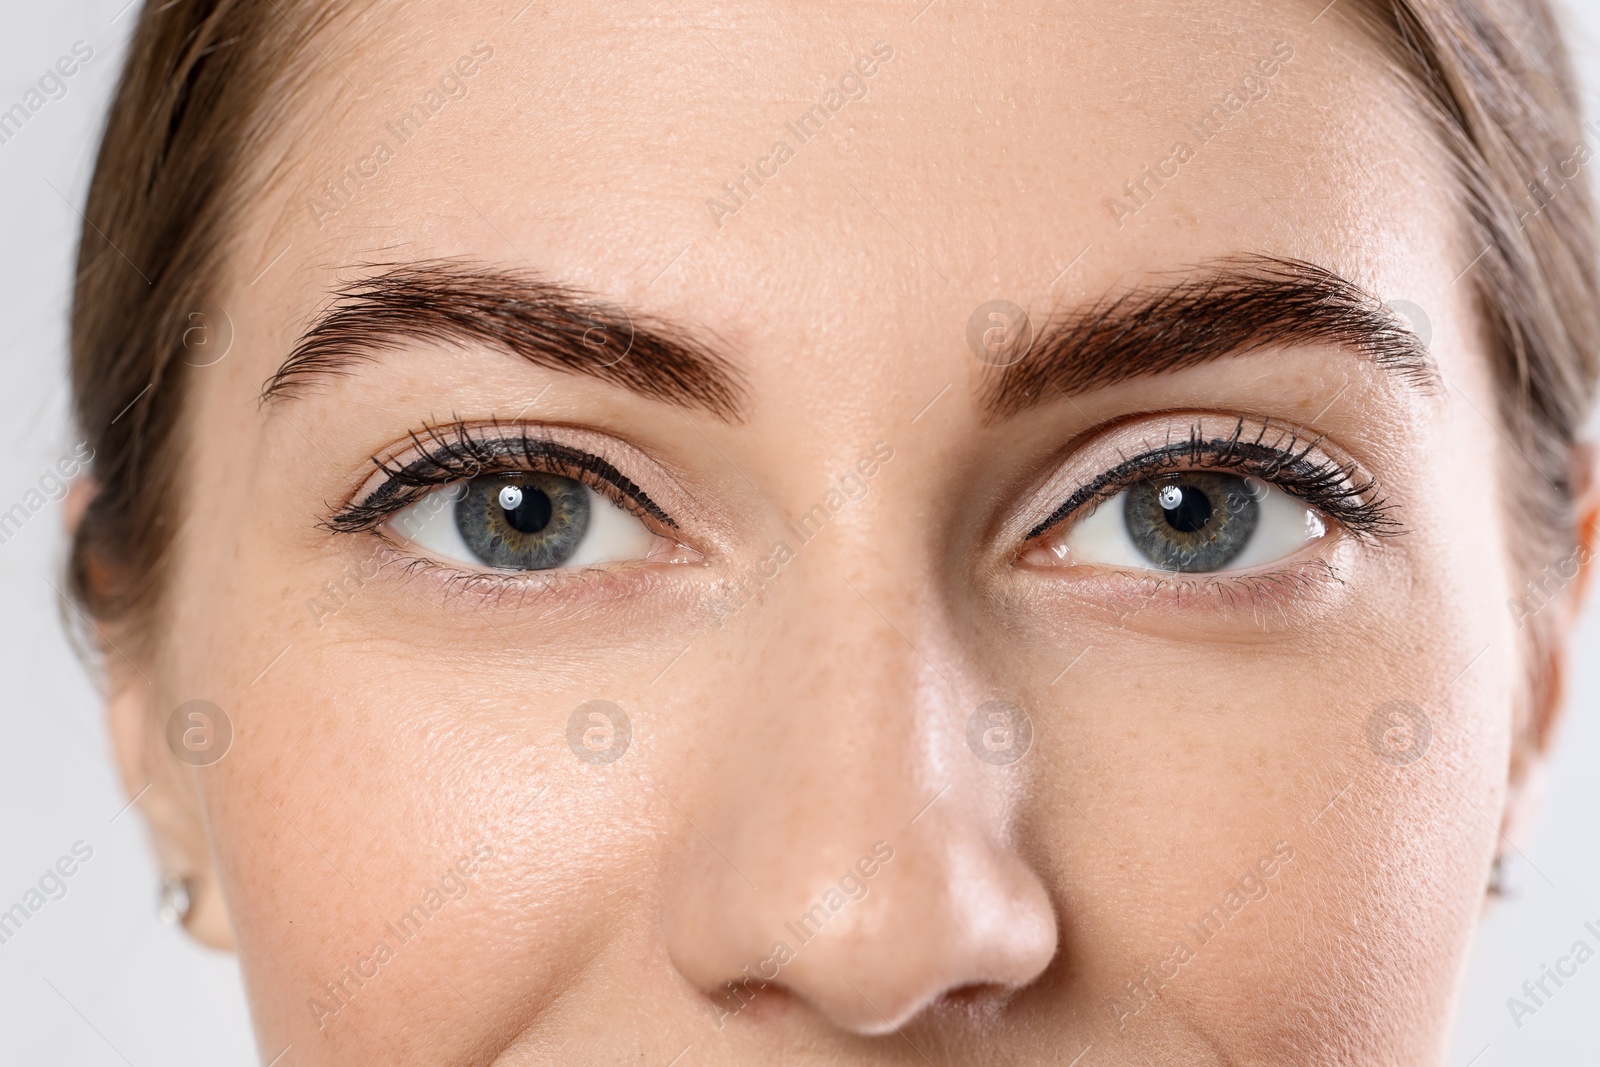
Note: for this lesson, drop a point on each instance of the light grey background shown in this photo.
(94, 978)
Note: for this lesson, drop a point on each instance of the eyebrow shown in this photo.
(1227, 307)
(459, 303)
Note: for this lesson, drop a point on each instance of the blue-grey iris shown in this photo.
(1192, 520)
(524, 522)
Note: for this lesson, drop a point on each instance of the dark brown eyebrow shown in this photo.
(459, 303)
(1226, 307)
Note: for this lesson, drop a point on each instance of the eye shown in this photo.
(525, 521)
(1189, 521)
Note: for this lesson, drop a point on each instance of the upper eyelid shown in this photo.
(1270, 450)
(1107, 483)
(570, 457)
(406, 482)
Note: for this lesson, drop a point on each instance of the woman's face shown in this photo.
(743, 596)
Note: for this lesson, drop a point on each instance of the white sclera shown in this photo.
(613, 536)
(1283, 525)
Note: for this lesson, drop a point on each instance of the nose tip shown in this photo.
(890, 936)
(972, 919)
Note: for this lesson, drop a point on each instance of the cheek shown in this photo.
(344, 803)
(1182, 781)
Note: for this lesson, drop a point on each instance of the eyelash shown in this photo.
(1335, 489)
(457, 453)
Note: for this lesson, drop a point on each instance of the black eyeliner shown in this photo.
(455, 453)
(1326, 485)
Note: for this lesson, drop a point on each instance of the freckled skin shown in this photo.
(1203, 857)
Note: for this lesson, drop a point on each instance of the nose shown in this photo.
(855, 853)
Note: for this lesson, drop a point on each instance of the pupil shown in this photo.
(1190, 512)
(530, 511)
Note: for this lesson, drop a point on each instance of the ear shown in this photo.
(167, 797)
(1547, 614)
(161, 784)
(80, 491)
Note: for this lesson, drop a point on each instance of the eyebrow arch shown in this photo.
(461, 303)
(1225, 308)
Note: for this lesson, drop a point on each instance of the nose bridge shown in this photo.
(837, 752)
(862, 869)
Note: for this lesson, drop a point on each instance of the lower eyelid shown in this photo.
(1249, 591)
(575, 590)
(1296, 596)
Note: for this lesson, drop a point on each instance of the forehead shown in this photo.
(805, 167)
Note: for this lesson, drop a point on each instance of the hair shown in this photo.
(205, 79)
(195, 98)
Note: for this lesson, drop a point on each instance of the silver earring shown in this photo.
(1501, 883)
(175, 899)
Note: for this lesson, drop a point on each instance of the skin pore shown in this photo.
(1201, 745)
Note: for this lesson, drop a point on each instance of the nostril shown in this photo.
(977, 1001)
(750, 1001)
